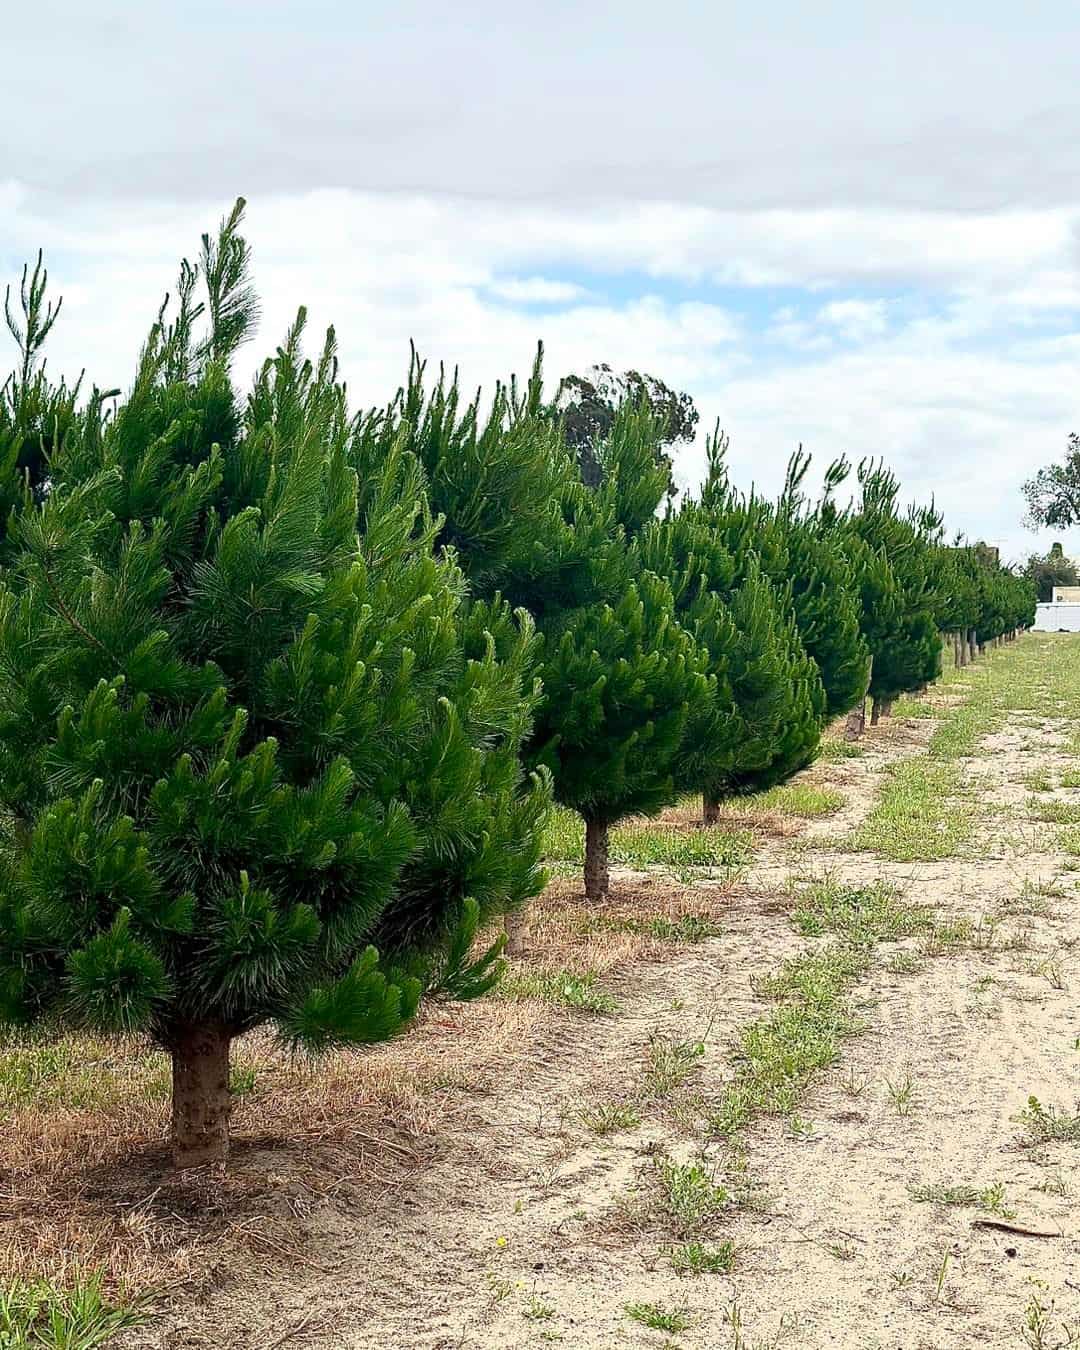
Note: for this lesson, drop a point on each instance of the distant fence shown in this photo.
(1063, 618)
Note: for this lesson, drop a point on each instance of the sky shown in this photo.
(845, 225)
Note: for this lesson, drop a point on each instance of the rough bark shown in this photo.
(856, 718)
(875, 711)
(971, 644)
(200, 1121)
(596, 860)
(516, 926)
(710, 812)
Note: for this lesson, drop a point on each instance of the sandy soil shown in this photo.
(522, 1227)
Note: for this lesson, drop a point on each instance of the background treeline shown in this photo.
(286, 688)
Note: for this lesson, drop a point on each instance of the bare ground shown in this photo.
(483, 1212)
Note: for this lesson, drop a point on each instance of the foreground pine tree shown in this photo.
(260, 767)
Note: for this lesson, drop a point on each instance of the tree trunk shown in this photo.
(875, 711)
(516, 926)
(959, 651)
(856, 718)
(200, 1122)
(710, 809)
(971, 644)
(596, 860)
(886, 706)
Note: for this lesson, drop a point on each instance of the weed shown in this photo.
(860, 914)
(536, 1310)
(609, 1117)
(1049, 1124)
(696, 1258)
(670, 1064)
(779, 1052)
(37, 1314)
(689, 1195)
(991, 1198)
(902, 1094)
(658, 1318)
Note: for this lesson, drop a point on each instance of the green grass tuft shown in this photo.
(560, 987)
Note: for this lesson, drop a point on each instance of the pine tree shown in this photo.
(35, 414)
(622, 678)
(620, 684)
(775, 682)
(492, 477)
(892, 558)
(824, 596)
(619, 677)
(261, 767)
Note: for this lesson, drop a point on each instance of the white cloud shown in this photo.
(956, 379)
(537, 290)
(856, 320)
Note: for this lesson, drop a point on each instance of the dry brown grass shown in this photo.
(85, 1177)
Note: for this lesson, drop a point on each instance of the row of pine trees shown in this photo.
(286, 690)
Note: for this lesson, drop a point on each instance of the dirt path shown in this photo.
(527, 1227)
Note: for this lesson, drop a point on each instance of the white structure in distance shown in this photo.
(1062, 614)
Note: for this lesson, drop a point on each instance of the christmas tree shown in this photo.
(262, 766)
(622, 678)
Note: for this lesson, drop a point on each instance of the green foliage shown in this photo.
(587, 406)
(620, 684)
(38, 1315)
(1049, 570)
(1053, 494)
(261, 753)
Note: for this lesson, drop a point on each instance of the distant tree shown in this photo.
(1050, 570)
(1053, 494)
(588, 404)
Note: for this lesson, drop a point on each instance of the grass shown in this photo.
(658, 1318)
(916, 818)
(698, 1258)
(610, 1117)
(778, 1053)
(689, 1195)
(562, 988)
(670, 1063)
(806, 801)
(835, 747)
(1054, 812)
(38, 1316)
(664, 928)
(917, 708)
(641, 844)
(1049, 1124)
(860, 914)
(990, 1199)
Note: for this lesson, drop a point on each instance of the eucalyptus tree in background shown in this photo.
(262, 768)
(585, 407)
(1053, 494)
(1046, 571)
